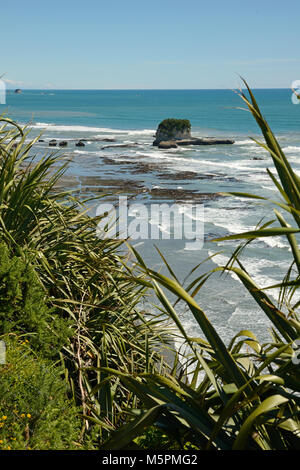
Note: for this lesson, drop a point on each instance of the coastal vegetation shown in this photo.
(71, 310)
(170, 126)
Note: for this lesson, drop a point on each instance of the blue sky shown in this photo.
(145, 44)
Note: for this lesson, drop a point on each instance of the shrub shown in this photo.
(85, 280)
(23, 308)
(35, 411)
(170, 126)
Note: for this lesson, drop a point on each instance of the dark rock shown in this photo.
(193, 141)
(183, 194)
(167, 144)
(180, 176)
(64, 143)
(41, 140)
(205, 141)
(18, 90)
(80, 144)
(52, 143)
(118, 146)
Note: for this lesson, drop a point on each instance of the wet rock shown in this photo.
(181, 175)
(182, 194)
(118, 146)
(167, 144)
(98, 184)
(52, 143)
(205, 141)
(80, 144)
(64, 143)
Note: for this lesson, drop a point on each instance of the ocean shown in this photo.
(117, 128)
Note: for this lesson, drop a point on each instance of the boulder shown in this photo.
(80, 144)
(52, 143)
(167, 144)
(63, 143)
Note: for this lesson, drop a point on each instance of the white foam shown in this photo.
(141, 132)
(278, 242)
(71, 128)
(244, 142)
(255, 268)
(291, 148)
(230, 220)
(59, 128)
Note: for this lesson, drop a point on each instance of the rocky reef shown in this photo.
(172, 133)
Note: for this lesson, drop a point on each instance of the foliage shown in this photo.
(244, 395)
(154, 438)
(171, 126)
(35, 411)
(23, 309)
(86, 281)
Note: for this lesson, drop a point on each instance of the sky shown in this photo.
(149, 44)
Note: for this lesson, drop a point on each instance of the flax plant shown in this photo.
(240, 396)
(85, 278)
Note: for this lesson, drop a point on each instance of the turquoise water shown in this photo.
(137, 109)
(129, 120)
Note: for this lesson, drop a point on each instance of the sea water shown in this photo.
(129, 119)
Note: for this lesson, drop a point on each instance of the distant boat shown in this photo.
(18, 90)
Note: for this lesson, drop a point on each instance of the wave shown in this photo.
(70, 128)
(276, 242)
(291, 148)
(255, 267)
(244, 142)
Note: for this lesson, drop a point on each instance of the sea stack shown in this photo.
(172, 130)
(172, 133)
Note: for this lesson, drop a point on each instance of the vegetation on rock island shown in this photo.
(171, 126)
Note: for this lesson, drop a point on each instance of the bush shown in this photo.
(59, 273)
(170, 126)
(23, 309)
(35, 411)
